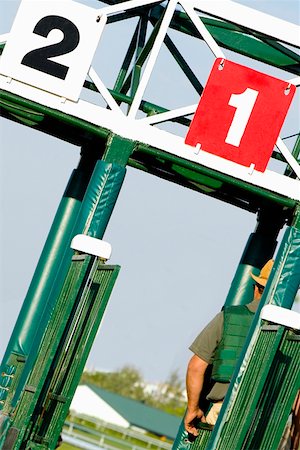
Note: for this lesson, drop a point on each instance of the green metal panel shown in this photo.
(92, 216)
(56, 247)
(118, 151)
(184, 441)
(250, 46)
(64, 349)
(243, 408)
(266, 378)
(100, 198)
(277, 396)
(53, 405)
(203, 438)
(265, 397)
(24, 335)
(181, 441)
(9, 379)
(16, 388)
(260, 350)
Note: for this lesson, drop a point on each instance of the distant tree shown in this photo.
(128, 381)
(174, 392)
(169, 396)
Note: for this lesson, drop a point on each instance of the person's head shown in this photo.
(261, 279)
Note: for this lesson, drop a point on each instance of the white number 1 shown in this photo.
(244, 104)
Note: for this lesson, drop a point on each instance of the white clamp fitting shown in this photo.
(91, 246)
(281, 316)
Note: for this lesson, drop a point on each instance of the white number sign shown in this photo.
(244, 104)
(51, 46)
(240, 114)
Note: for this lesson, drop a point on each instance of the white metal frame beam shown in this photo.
(250, 18)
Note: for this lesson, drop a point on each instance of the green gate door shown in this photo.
(36, 416)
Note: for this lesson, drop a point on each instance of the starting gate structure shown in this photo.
(222, 145)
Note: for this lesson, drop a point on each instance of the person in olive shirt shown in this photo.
(220, 344)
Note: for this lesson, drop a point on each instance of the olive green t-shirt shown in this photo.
(205, 346)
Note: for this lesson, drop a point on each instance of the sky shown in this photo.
(178, 249)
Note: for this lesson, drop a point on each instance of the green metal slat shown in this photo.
(295, 58)
(64, 350)
(244, 405)
(126, 63)
(143, 55)
(48, 347)
(70, 365)
(9, 380)
(253, 48)
(73, 277)
(183, 64)
(202, 439)
(277, 397)
(137, 70)
(245, 402)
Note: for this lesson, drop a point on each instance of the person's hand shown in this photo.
(191, 419)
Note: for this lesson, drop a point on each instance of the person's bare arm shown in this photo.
(194, 384)
(295, 428)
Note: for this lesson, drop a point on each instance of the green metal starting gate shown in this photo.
(266, 381)
(122, 127)
(65, 345)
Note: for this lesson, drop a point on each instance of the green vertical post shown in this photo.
(259, 249)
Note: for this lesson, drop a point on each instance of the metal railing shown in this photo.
(101, 437)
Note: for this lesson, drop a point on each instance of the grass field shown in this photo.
(65, 446)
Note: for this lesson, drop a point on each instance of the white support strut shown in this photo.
(152, 58)
(288, 156)
(202, 30)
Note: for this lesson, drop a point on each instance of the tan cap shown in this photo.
(262, 278)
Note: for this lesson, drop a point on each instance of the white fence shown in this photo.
(99, 436)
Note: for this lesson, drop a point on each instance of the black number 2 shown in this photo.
(39, 58)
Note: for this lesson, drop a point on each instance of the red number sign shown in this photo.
(240, 114)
